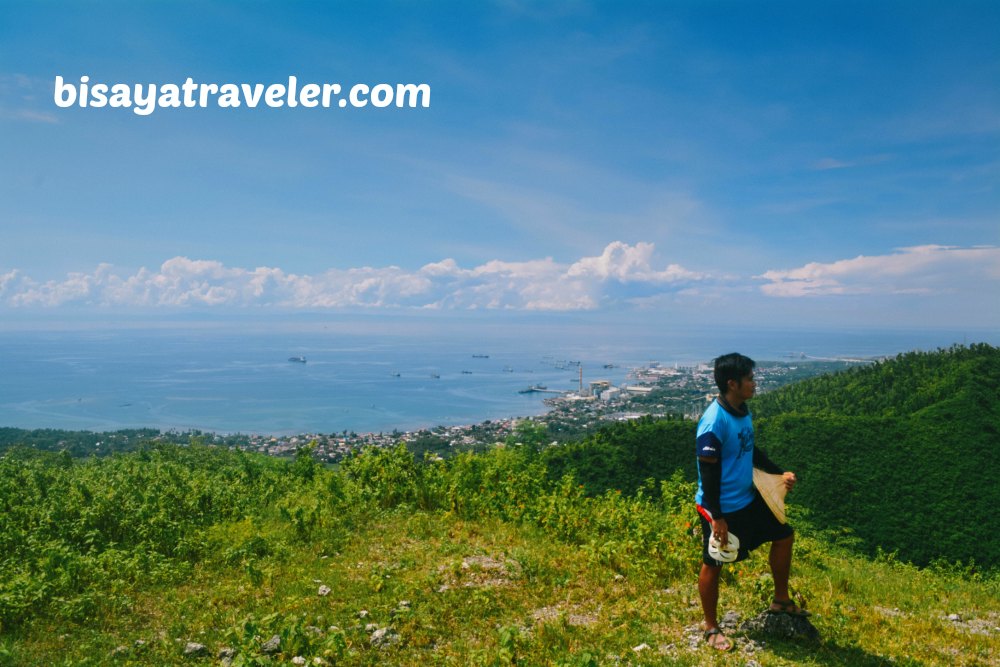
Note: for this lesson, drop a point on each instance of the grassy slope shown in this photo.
(560, 607)
(498, 567)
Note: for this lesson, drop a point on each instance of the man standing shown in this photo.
(728, 502)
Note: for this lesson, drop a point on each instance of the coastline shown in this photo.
(230, 382)
(653, 390)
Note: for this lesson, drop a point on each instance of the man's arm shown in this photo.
(710, 467)
(761, 461)
(711, 485)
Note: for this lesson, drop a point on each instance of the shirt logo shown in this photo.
(746, 442)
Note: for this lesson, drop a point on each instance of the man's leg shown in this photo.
(708, 589)
(781, 565)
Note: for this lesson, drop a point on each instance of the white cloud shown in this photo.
(22, 99)
(929, 269)
(34, 116)
(630, 264)
(828, 163)
(542, 284)
(7, 279)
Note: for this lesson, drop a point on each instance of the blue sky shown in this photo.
(782, 164)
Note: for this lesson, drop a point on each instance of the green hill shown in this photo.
(180, 555)
(624, 455)
(950, 384)
(901, 452)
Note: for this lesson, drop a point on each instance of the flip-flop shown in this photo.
(787, 607)
(722, 644)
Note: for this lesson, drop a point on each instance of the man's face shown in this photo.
(745, 388)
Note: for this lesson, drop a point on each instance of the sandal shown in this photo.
(717, 640)
(787, 607)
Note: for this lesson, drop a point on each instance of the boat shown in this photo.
(480, 356)
(297, 360)
(435, 376)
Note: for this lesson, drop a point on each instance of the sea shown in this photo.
(370, 378)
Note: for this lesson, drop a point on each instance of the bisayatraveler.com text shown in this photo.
(145, 98)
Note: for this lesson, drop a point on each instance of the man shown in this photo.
(727, 500)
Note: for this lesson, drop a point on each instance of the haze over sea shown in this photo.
(232, 378)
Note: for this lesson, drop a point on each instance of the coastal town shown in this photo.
(653, 390)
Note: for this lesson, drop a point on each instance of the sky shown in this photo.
(788, 164)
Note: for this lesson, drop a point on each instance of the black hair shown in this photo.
(733, 366)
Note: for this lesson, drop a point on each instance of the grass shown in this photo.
(459, 592)
(474, 562)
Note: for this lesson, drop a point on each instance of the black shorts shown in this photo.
(754, 525)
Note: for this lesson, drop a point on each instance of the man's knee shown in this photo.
(784, 543)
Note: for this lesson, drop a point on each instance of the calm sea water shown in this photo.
(238, 381)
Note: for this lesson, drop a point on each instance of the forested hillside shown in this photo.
(901, 452)
(626, 454)
(952, 383)
(76, 443)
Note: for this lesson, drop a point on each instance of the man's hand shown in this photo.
(721, 531)
(790, 480)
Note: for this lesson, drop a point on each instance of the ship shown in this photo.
(480, 356)
(533, 388)
(297, 360)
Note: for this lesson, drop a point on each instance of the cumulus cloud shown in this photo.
(541, 284)
(630, 264)
(7, 279)
(929, 269)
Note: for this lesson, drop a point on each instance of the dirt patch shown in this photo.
(480, 572)
(573, 617)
